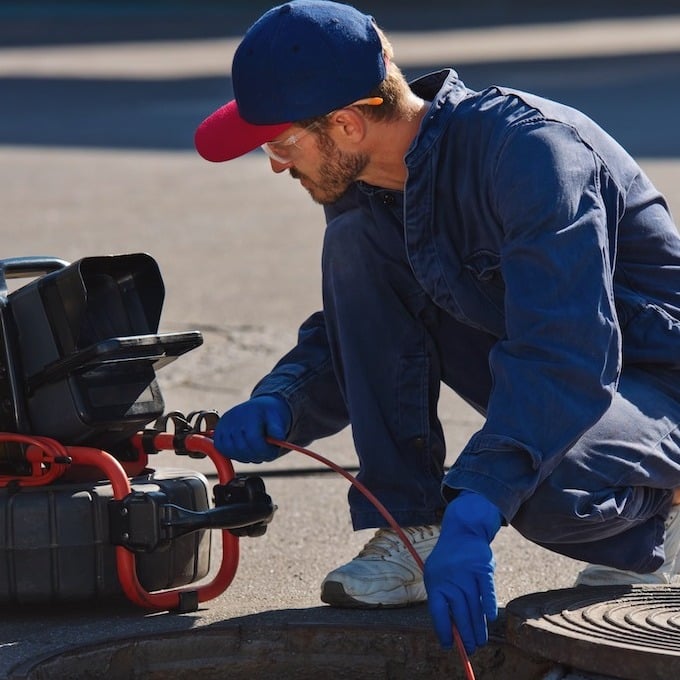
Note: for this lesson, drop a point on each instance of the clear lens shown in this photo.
(283, 151)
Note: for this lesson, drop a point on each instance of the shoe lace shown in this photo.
(386, 542)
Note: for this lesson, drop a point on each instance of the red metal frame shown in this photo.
(44, 454)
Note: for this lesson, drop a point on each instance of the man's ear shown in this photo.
(349, 125)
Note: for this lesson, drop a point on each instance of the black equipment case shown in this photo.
(87, 339)
(82, 516)
(55, 544)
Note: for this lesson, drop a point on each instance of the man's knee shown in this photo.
(559, 513)
(346, 236)
(565, 514)
(358, 245)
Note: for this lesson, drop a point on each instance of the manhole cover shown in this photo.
(629, 632)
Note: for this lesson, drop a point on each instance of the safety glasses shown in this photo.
(284, 151)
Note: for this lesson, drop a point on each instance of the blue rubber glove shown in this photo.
(459, 571)
(240, 433)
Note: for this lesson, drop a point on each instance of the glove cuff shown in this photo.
(276, 404)
(474, 512)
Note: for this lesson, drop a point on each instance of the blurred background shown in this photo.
(615, 59)
(99, 102)
(98, 106)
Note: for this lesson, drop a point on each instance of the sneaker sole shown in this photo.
(333, 594)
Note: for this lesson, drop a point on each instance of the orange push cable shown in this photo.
(467, 666)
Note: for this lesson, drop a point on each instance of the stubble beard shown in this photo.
(336, 173)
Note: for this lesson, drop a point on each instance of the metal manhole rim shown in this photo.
(547, 624)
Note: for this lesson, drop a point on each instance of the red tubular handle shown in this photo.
(126, 561)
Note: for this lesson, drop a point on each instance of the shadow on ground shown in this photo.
(636, 98)
(53, 22)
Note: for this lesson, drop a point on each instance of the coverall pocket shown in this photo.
(485, 267)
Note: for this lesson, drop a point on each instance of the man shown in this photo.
(494, 241)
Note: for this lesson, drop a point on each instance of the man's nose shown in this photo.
(278, 166)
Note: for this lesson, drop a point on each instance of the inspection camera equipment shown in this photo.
(82, 515)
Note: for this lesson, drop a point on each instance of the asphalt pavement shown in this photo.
(96, 157)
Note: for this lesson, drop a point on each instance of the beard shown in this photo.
(337, 172)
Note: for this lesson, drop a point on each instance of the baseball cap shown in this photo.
(299, 60)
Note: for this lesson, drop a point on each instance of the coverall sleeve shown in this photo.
(556, 370)
(305, 378)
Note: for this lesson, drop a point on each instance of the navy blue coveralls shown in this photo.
(532, 267)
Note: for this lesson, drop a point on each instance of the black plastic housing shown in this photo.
(84, 349)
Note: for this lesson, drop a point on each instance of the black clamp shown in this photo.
(183, 427)
(146, 521)
(247, 496)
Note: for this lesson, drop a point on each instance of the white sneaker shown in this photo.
(599, 575)
(384, 573)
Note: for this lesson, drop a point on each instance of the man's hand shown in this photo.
(241, 432)
(459, 571)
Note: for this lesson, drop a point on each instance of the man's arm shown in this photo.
(298, 401)
(304, 378)
(557, 368)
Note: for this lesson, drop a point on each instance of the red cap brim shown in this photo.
(225, 135)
